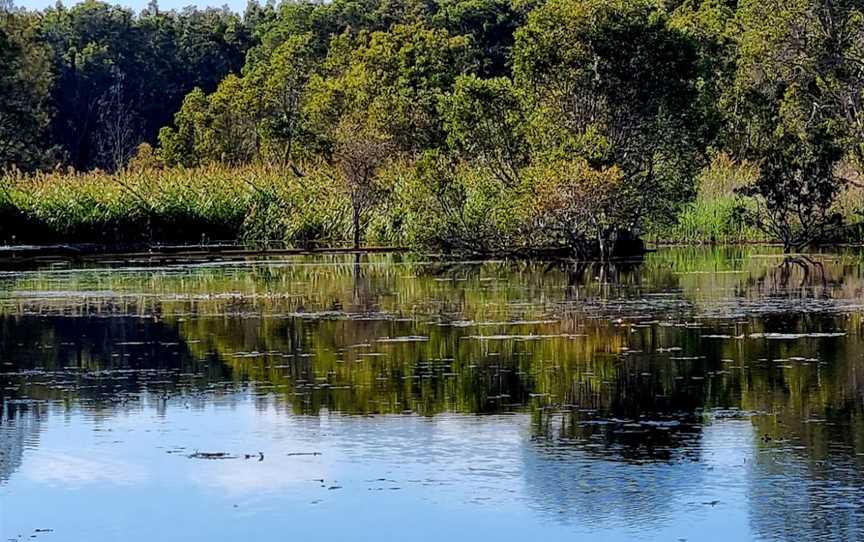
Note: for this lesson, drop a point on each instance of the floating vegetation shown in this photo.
(405, 339)
(796, 336)
(521, 337)
(211, 455)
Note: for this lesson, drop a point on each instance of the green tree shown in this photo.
(178, 144)
(222, 127)
(582, 207)
(158, 56)
(25, 83)
(490, 26)
(255, 116)
(711, 26)
(484, 120)
(796, 190)
(797, 111)
(393, 79)
(281, 83)
(611, 82)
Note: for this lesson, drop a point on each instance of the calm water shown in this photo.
(702, 395)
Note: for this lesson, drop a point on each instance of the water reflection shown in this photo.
(697, 388)
(19, 429)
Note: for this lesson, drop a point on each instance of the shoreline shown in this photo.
(17, 257)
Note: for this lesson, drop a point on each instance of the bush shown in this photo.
(452, 206)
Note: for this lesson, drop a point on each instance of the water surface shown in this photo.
(703, 394)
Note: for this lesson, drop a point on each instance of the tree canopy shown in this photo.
(597, 114)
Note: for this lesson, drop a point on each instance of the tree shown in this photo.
(222, 127)
(257, 116)
(360, 152)
(393, 79)
(710, 25)
(117, 135)
(25, 82)
(609, 81)
(161, 55)
(449, 204)
(490, 25)
(484, 120)
(812, 47)
(796, 191)
(797, 104)
(282, 82)
(178, 145)
(584, 208)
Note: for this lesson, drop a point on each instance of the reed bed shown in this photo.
(251, 204)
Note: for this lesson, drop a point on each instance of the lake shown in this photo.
(701, 394)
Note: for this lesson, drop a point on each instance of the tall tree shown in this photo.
(612, 82)
(25, 83)
(393, 79)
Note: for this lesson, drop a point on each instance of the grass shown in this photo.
(253, 204)
(181, 205)
(717, 215)
(713, 221)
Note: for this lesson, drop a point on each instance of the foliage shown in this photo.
(360, 154)
(448, 205)
(581, 206)
(84, 62)
(465, 125)
(796, 192)
(393, 79)
(719, 212)
(484, 121)
(258, 115)
(611, 82)
(799, 82)
(25, 82)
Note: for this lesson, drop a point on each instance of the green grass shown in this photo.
(717, 215)
(713, 221)
(253, 204)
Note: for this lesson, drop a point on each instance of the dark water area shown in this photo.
(702, 394)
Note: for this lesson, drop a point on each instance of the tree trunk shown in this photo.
(356, 227)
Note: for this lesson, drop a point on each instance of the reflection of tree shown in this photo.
(615, 368)
(800, 273)
(98, 358)
(20, 425)
(809, 393)
(663, 437)
(571, 484)
(793, 498)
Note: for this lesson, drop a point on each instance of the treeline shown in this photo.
(82, 86)
(472, 125)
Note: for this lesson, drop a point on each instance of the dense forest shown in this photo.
(456, 125)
